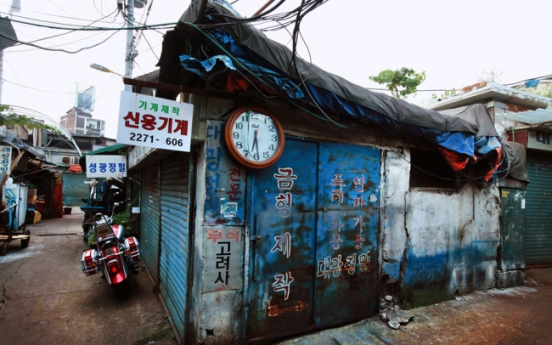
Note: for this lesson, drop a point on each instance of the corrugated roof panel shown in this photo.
(530, 117)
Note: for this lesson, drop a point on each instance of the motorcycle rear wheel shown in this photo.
(122, 290)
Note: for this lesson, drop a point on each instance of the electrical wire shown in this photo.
(35, 89)
(58, 50)
(97, 28)
(327, 118)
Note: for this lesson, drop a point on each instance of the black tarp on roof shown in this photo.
(467, 131)
(280, 56)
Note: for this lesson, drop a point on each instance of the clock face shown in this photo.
(254, 137)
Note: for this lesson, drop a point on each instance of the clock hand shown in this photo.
(256, 142)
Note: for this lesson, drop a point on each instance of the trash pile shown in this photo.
(392, 313)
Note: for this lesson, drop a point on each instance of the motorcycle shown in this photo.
(101, 199)
(114, 254)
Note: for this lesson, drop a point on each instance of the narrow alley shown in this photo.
(46, 299)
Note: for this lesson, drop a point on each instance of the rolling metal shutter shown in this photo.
(538, 232)
(173, 261)
(149, 209)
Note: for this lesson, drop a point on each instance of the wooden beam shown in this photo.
(185, 89)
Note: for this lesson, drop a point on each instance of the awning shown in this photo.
(108, 149)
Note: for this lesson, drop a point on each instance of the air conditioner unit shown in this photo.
(66, 160)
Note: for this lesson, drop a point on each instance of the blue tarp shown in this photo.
(243, 50)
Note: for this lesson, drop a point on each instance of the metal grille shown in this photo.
(149, 209)
(173, 260)
(538, 233)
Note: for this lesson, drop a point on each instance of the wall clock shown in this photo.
(254, 137)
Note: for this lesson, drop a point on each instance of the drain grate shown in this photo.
(59, 234)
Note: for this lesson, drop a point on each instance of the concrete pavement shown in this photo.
(519, 315)
(46, 299)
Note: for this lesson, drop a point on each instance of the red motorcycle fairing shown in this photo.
(114, 268)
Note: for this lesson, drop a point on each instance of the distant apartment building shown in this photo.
(77, 121)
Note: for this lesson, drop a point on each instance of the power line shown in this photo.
(98, 28)
(35, 89)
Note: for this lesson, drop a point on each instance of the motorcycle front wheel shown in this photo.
(122, 290)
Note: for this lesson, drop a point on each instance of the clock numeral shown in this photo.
(245, 153)
(274, 138)
(239, 125)
(266, 155)
(235, 135)
(256, 156)
(271, 147)
(239, 145)
(271, 128)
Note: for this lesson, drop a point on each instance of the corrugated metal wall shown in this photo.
(149, 210)
(538, 233)
(173, 261)
(512, 230)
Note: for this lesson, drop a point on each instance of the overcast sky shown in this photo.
(454, 42)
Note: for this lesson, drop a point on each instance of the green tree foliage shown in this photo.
(9, 118)
(401, 82)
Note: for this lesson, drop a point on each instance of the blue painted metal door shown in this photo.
(346, 241)
(283, 219)
(313, 221)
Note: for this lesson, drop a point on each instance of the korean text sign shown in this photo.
(5, 159)
(154, 122)
(106, 166)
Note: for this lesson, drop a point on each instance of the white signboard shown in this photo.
(154, 122)
(539, 140)
(5, 159)
(106, 166)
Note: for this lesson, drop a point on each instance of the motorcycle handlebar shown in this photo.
(121, 202)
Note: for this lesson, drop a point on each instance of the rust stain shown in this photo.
(274, 310)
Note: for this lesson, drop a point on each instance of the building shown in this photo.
(369, 196)
(77, 121)
(525, 118)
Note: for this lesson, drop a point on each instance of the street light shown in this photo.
(104, 69)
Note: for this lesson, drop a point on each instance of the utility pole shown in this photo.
(15, 7)
(131, 53)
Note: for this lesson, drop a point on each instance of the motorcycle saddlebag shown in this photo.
(89, 264)
(132, 248)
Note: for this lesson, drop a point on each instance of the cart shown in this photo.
(15, 229)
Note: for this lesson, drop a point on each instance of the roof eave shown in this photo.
(489, 93)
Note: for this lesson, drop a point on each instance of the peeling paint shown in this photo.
(440, 243)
